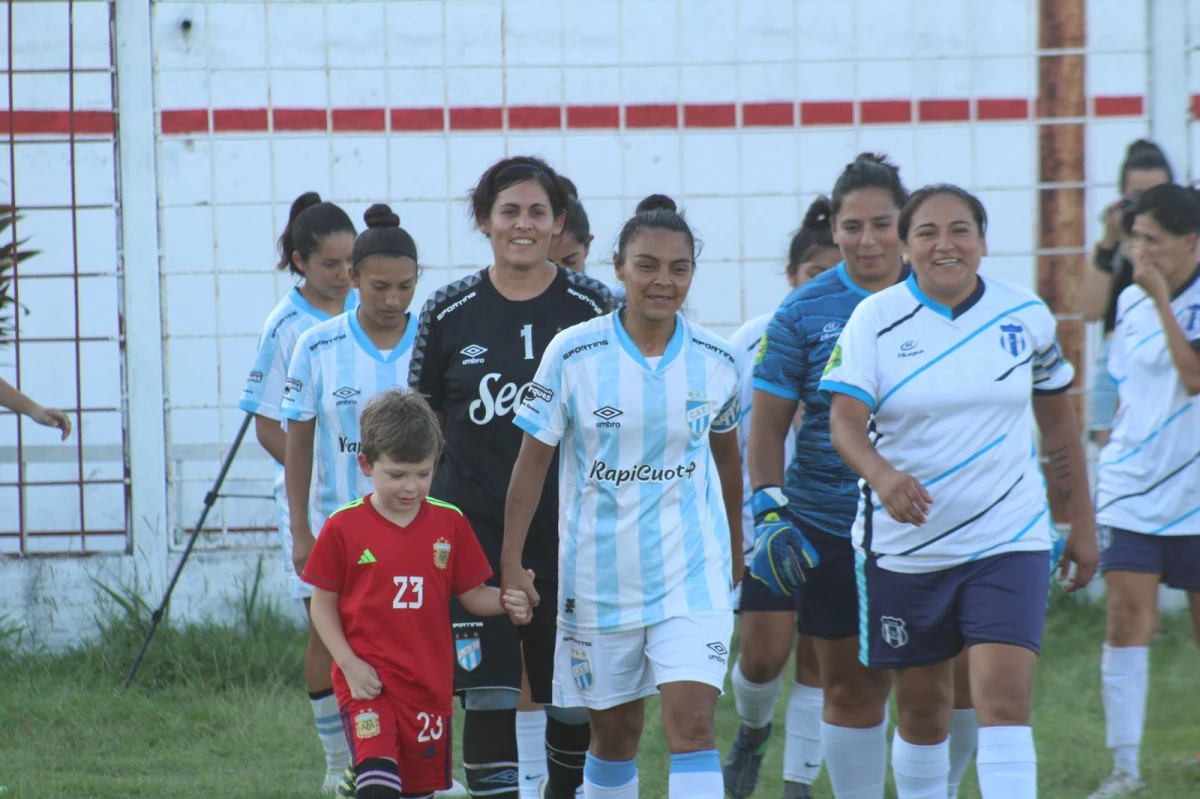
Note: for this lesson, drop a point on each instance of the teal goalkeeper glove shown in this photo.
(781, 552)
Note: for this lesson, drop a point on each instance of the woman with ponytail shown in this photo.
(315, 247)
(766, 623)
(643, 405)
(1147, 500)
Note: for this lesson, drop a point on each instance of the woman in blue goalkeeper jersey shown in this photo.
(935, 386)
(766, 623)
(336, 367)
(1148, 479)
(643, 406)
(315, 246)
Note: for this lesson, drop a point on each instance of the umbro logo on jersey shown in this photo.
(473, 353)
(606, 415)
(346, 395)
(366, 558)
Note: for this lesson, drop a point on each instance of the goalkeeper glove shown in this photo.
(781, 553)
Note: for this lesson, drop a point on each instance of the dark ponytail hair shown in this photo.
(918, 198)
(309, 221)
(1143, 154)
(577, 225)
(815, 232)
(383, 236)
(509, 172)
(656, 212)
(869, 171)
(1175, 208)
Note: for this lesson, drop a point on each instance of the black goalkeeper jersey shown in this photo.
(474, 355)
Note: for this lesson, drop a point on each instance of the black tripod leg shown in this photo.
(210, 499)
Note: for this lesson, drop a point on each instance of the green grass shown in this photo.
(221, 712)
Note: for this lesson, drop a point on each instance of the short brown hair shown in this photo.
(401, 425)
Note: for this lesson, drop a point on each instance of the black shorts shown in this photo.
(488, 650)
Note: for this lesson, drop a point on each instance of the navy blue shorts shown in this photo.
(828, 604)
(1175, 557)
(920, 619)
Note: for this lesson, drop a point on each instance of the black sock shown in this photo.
(566, 751)
(381, 776)
(489, 751)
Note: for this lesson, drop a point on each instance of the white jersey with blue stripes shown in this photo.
(1148, 480)
(643, 534)
(334, 373)
(951, 393)
(263, 394)
(745, 343)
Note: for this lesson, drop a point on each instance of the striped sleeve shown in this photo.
(299, 395)
(265, 383)
(1052, 373)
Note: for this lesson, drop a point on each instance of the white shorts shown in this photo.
(603, 670)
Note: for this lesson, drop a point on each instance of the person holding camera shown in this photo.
(1111, 272)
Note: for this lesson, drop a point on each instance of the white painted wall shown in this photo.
(203, 202)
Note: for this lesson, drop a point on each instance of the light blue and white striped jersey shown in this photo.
(1148, 479)
(334, 373)
(951, 390)
(264, 389)
(643, 534)
(745, 344)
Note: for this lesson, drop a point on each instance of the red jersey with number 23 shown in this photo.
(394, 586)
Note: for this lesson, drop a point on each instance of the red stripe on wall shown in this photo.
(476, 118)
(299, 119)
(651, 116)
(943, 110)
(530, 117)
(227, 120)
(32, 123)
(827, 113)
(998, 109)
(768, 114)
(882, 112)
(716, 115)
(593, 116)
(413, 119)
(1127, 106)
(367, 120)
(184, 121)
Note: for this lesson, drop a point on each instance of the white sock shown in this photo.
(755, 701)
(964, 735)
(1007, 763)
(696, 775)
(1125, 676)
(531, 751)
(802, 749)
(920, 771)
(609, 779)
(331, 732)
(856, 760)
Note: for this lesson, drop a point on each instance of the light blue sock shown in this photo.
(609, 779)
(696, 775)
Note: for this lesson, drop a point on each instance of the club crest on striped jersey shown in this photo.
(467, 649)
(441, 553)
(698, 413)
(1012, 338)
(581, 669)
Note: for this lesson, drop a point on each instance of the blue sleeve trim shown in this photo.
(772, 388)
(249, 406)
(534, 430)
(827, 388)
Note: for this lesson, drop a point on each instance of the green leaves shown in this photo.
(12, 253)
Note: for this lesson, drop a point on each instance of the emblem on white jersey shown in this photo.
(581, 669)
(441, 553)
(909, 349)
(1012, 339)
(467, 648)
(895, 634)
(698, 414)
(474, 354)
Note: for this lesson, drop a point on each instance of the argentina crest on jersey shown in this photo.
(466, 644)
(697, 413)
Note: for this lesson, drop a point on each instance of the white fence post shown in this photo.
(1169, 100)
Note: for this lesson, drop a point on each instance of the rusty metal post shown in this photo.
(1061, 107)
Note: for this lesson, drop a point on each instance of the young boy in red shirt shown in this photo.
(383, 571)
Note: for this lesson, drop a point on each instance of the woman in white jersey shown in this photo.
(936, 383)
(1148, 479)
(315, 247)
(644, 406)
(766, 622)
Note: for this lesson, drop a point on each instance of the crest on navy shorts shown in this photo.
(895, 634)
(1012, 339)
(466, 645)
(697, 414)
(581, 669)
